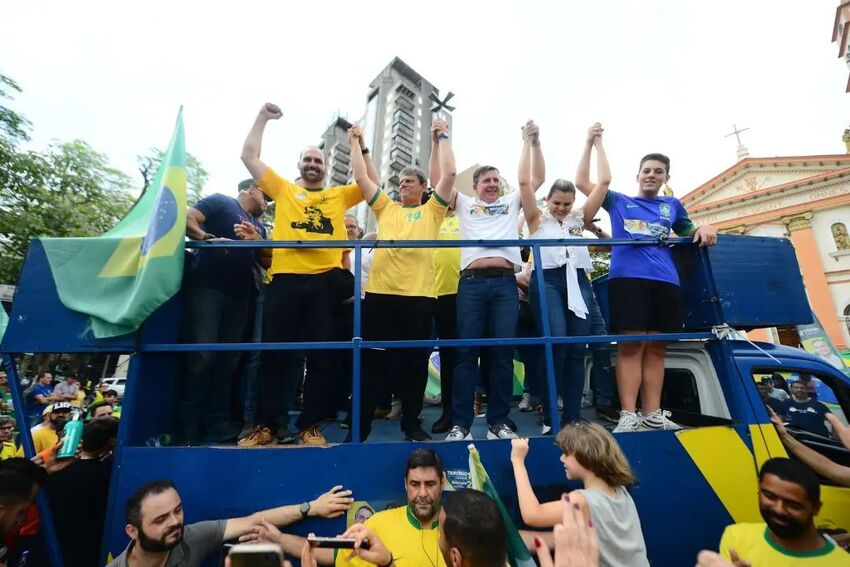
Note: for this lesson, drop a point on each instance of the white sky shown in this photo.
(669, 76)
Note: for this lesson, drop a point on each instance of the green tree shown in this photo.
(601, 263)
(67, 190)
(196, 177)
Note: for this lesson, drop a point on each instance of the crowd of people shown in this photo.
(439, 525)
(305, 294)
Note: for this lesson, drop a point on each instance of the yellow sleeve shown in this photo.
(727, 542)
(272, 184)
(437, 208)
(379, 202)
(351, 194)
(20, 451)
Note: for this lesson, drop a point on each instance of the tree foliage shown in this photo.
(67, 190)
(196, 175)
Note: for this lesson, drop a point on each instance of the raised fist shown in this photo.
(270, 111)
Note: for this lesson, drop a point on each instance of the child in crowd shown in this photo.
(592, 456)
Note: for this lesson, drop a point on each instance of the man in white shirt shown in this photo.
(487, 300)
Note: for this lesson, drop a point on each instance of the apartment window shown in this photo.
(399, 128)
(403, 142)
(402, 116)
(400, 155)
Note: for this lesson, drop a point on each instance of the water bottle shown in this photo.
(73, 434)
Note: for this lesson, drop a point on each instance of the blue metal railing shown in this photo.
(357, 343)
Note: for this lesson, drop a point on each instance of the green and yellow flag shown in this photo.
(518, 553)
(120, 278)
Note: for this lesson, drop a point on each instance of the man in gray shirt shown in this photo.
(158, 537)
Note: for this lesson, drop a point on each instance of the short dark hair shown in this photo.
(481, 171)
(133, 510)
(246, 184)
(94, 406)
(17, 477)
(98, 432)
(562, 185)
(656, 157)
(110, 393)
(473, 524)
(424, 458)
(414, 171)
(793, 471)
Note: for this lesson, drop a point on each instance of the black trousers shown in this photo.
(445, 319)
(395, 317)
(298, 308)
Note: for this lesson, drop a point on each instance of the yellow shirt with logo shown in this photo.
(404, 536)
(754, 543)
(405, 271)
(307, 214)
(44, 438)
(447, 260)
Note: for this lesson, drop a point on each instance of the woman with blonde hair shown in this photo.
(593, 457)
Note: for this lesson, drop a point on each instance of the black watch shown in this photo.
(364, 151)
(305, 509)
(208, 236)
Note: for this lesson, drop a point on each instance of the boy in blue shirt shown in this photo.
(643, 290)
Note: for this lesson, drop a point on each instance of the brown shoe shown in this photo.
(312, 436)
(259, 437)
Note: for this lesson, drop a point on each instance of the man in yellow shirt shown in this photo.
(47, 436)
(305, 282)
(7, 446)
(400, 293)
(789, 500)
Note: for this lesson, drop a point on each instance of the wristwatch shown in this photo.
(305, 509)
(364, 151)
(208, 236)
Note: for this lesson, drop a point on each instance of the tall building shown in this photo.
(334, 146)
(397, 123)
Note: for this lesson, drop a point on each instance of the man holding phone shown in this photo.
(409, 533)
(158, 537)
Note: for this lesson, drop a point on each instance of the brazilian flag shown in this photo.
(120, 278)
(518, 554)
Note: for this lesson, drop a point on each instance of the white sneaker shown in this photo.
(458, 433)
(527, 403)
(629, 422)
(546, 430)
(395, 411)
(658, 420)
(501, 431)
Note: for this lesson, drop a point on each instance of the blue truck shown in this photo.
(690, 485)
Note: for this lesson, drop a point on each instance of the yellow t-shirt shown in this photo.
(307, 214)
(753, 543)
(44, 438)
(8, 450)
(403, 535)
(447, 260)
(405, 271)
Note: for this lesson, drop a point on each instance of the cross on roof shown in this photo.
(737, 133)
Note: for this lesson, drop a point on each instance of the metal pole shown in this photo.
(54, 552)
(355, 351)
(554, 416)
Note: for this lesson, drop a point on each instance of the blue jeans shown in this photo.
(530, 355)
(568, 358)
(601, 376)
(486, 308)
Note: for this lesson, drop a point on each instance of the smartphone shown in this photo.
(256, 555)
(335, 542)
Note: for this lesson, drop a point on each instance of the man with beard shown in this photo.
(47, 436)
(154, 515)
(789, 499)
(20, 479)
(410, 533)
(304, 289)
(802, 412)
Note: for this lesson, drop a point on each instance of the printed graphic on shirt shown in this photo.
(485, 210)
(638, 226)
(414, 216)
(665, 210)
(316, 221)
(575, 230)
